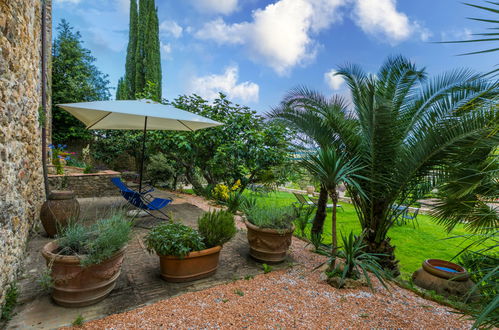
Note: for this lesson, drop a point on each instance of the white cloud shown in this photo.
(222, 33)
(227, 83)
(171, 28)
(381, 18)
(224, 7)
(456, 34)
(166, 50)
(334, 82)
(280, 35)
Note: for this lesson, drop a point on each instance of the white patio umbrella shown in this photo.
(136, 115)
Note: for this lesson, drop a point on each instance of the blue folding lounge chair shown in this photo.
(144, 201)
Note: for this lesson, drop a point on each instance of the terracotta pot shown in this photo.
(444, 282)
(60, 208)
(77, 286)
(194, 266)
(268, 245)
(460, 274)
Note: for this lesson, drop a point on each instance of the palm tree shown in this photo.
(332, 169)
(470, 194)
(485, 37)
(313, 132)
(405, 131)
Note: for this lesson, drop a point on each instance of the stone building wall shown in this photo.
(21, 178)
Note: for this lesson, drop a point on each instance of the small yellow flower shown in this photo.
(236, 185)
(220, 192)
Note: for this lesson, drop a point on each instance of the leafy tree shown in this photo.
(245, 147)
(143, 61)
(405, 131)
(75, 78)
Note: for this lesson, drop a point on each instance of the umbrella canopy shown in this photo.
(131, 115)
(136, 115)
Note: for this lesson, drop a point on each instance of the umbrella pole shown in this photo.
(143, 151)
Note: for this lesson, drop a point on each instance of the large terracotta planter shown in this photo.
(77, 286)
(60, 208)
(444, 277)
(268, 245)
(194, 266)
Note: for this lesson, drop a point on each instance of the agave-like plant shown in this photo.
(405, 131)
(357, 262)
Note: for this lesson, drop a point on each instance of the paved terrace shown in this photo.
(139, 283)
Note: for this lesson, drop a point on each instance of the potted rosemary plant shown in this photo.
(85, 261)
(270, 230)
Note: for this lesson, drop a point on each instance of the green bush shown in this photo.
(164, 170)
(174, 239)
(217, 227)
(75, 162)
(97, 242)
(271, 217)
(234, 201)
(478, 266)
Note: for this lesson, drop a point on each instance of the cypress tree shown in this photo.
(131, 49)
(122, 90)
(140, 49)
(152, 52)
(143, 62)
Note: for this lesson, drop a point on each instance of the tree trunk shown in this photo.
(334, 235)
(377, 243)
(387, 260)
(191, 177)
(320, 214)
(175, 178)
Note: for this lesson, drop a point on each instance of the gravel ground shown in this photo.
(292, 298)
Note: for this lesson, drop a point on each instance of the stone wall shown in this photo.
(87, 185)
(21, 179)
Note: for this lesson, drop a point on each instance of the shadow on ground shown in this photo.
(139, 283)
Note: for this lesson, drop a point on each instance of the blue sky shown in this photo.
(256, 50)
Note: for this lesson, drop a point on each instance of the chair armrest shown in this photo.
(147, 188)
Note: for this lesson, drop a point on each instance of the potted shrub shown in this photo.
(186, 254)
(270, 230)
(85, 261)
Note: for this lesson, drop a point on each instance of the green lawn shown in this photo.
(413, 245)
